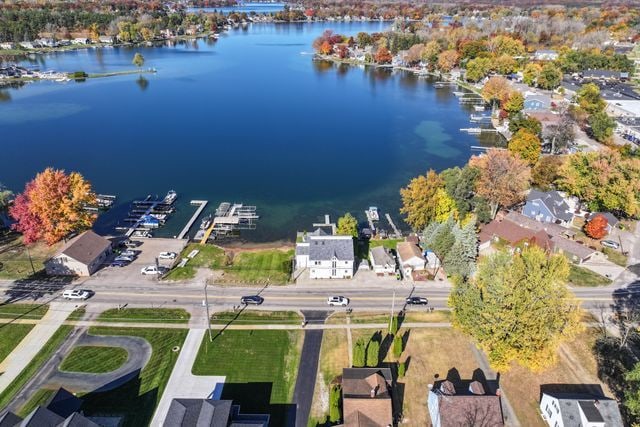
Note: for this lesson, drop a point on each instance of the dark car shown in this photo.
(252, 299)
(119, 263)
(417, 301)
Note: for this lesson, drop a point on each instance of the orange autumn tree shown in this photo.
(383, 56)
(53, 206)
(325, 48)
(597, 227)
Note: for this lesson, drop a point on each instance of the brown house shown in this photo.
(513, 234)
(81, 256)
(366, 397)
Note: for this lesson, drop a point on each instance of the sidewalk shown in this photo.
(33, 343)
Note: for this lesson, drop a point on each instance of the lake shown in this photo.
(250, 118)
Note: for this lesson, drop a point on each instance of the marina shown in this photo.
(201, 205)
(148, 214)
(228, 219)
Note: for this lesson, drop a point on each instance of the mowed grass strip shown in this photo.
(208, 256)
(145, 315)
(10, 336)
(77, 314)
(580, 276)
(249, 317)
(94, 359)
(40, 397)
(260, 267)
(23, 311)
(137, 399)
(36, 363)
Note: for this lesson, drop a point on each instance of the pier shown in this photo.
(327, 223)
(147, 207)
(202, 204)
(231, 217)
(395, 229)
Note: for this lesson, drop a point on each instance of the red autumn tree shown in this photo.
(597, 227)
(52, 206)
(383, 56)
(343, 51)
(325, 48)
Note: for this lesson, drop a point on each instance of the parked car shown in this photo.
(417, 301)
(338, 300)
(152, 269)
(167, 255)
(124, 258)
(119, 263)
(76, 294)
(610, 244)
(129, 253)
(252, 299)
(132, 243)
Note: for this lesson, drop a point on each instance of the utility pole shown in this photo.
(393, 303)
(206, 301)
(30, 260)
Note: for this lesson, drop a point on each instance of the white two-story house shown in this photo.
(326, 256)
(579, 410)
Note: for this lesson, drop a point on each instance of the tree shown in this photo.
(503, 178)
(5, 197)
(440, 237)
(604, 180)
(506, 45)
(445, 206)
(546, 172)
(335, 396)
(347, 225)
(459, 184)
(514, 103)
(373, 351)
(447, 60)
(325, 48)
(632, 391)
(596, 228)
(497, 89)
(383, 56)
(94, 32)
(359, 352)
(602, 126)
(521, 121)
(52, 206)
(397, 346)
(430, 53)
(560, 135)
(549, 77)
(526, 145)
(138, 60)
(402, 369)
(589, 99)
(477, 69)
(419, 199)
(505, 64)
(517, 308)
(530, 73)
(461, 258)
(414, 54)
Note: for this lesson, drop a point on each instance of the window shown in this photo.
(546, 408)
(317, 262)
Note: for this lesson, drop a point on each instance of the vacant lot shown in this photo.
(260, 368)
(10, 336)
(208, 256)
(260, 267)
(94, 359)
(580, 276)
(137, 399)
(23, 311)
(145, 315)
(14, 258)
(254, 317)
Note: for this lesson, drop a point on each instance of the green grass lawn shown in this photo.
(77, 314)
(137, 399)
(15, 262)
(145, 315)
(94, 359)
(249, 317)
(615, 257)
(23, 311)
(387, 243)
(580, 276)
(10, 336)
(36, 363)
(208, 256)
(362, 246)
(260, 267)
(260, 368)
(40, 397)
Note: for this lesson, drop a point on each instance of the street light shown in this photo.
(206, 301)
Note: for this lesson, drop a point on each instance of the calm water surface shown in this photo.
(249, 118)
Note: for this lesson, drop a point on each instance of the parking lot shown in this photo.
(147, 252)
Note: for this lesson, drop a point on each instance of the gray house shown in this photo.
(537, 102)
(578, 409)
(210, 413)
(548, 206)
(326, 257)
(82, 256)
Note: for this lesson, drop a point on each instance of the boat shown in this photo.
(170, 197)
(479, 107)
(478, 118)
(373, 213)
(149, 221)
(206, 222)
(159, 216)
(142, 233)
(471, 130)
(458, 94)
(439, 85)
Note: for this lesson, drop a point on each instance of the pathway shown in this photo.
(308, 368)
(182, 383)
(20, 357)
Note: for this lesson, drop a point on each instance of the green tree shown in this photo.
(440, 237)
(419, 199)
(517, 308)
(549, 77)
(522, 121)
(530, 74)
(589, 99)
(138, 60)
(602, 126)
(632, 391)
(526, 145)
(402, 369)
(546, 172)
(347, 225)
(373, 351)
(460, 259)
(5, 196)
(477, 69)
(515, 104)
(335, 396)
(459, 184)
(397, 346)
(359, 353)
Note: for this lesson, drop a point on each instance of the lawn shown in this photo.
(250, 317)
(77, 314)
(14, 260)
(260, 366)
(10, 336)
(94, 359)
(209, 256)
(615, 256)
(260, 267)
(137, 399)
(23, 311)
(145, 315)
(437, 316)
(580, 276)
(40, 397)
(36, 363)
(334, 356)
(363, 246)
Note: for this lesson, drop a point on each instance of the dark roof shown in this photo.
(593, 407)
(87, 247)
(381, 256)
(572, 247)
(9, 420)
(324, 248)
(611, 219)
(554, 202)
(366, 397)
(77, 420)
(198, 413)
(64, 403)
(358, 382)
(42, 417)
(530, 223)
(590, 411)
(465, 402)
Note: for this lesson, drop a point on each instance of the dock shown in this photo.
(229, 218)
(144, 208)
(201, 205)
(396, 231)
(327, 223)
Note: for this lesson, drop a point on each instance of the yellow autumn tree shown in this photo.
(420, 199)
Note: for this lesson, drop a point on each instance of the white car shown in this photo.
(76, 294)
(167, 255)
(125, 258)
(128, 253)
(152, 269)
(338, 300)
(610, 244)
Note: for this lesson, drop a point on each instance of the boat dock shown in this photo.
(396, 231)
(327, 223)
(202, 204)
(229, 218)
(146, 213)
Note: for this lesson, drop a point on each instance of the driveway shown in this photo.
(603, 267)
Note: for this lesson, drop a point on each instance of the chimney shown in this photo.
(373, 393)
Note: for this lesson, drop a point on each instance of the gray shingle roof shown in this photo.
(198, 413)
(554, 202)
(78, 420)
(611, 218)
(594, 408)
(9, 420)
(42, 417)
(87, 247)
(325, 248)
(380, 256)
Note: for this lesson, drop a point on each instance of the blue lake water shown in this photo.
(249, 118)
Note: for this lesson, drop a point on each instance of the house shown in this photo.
(545, 55)
(7, 45)
(536, 102)
(81, 256)
(604, 75)
(27, 45)
(530, 223)
(410, 258)
(210, 413)
(367, 397)
(326, 256)
(382, 261)
(106, 39)
(548, 206)
(514, 235)
(81, 40)
(579, 410)
(573, 250)
(612, 221)
(454, 403)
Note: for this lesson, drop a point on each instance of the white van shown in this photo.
(75, 294)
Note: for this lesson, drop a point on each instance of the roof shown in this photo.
(514, 234)
(323, 248)
(381, 256)
(366, 396)
(545, 117)
(78, 420)
(530, 223)
(408, 250)
(86, 247)
(595, 409)
(537, 97)
(198, 413)
(64, 403)
(9, 419)
(42, 417)
(611, 219)
(572, 247)
(467, 403)
(554, 202)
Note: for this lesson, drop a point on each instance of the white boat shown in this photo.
(458, 94)
(170, 197)
(373, 213)
(479, 118)
(142, 233)
(159, 217)
(206, 222)
(479, 107)
(471, 130)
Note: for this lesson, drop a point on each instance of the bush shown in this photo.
(397, 346)
(373, 353)
(79, 75)
(402, 369)
(359, 353)
(393, 327)
(335, 414)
